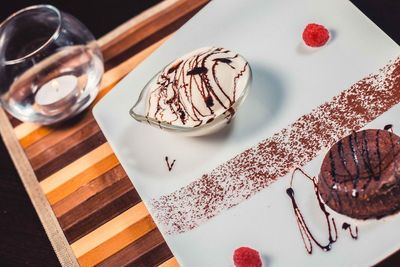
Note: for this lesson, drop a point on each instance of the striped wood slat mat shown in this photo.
(87, 204)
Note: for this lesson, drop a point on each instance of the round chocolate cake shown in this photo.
(360, 175)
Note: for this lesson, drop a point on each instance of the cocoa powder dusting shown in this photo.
(256, 168)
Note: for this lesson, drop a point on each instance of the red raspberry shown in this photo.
(315, 35)
(246, 257)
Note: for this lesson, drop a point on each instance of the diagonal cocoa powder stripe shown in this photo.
(257, 167)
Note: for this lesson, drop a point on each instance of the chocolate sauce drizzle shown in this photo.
(178, 88)
(388, 127)
(306, 235)
(346, 226)
(367, 159)
(197, 70)
(170, 166)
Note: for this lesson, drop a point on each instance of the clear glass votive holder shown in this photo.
(50, 65)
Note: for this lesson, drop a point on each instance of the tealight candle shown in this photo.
(56, 94)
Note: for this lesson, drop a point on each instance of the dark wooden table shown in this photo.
(23, 241)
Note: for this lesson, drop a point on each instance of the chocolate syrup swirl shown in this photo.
(366, 159)
(306, 235)
(378, 153)
(346, 226)
(169, 165)
(198, 87)
(388, 127)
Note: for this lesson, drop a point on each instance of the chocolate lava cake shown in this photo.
(360, 175)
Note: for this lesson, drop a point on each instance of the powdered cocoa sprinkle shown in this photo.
(256, 168)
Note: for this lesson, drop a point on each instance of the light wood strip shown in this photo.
(75, 168)
(172, 262)
(28, 178)
(24, 129)
(36, 134)
(113, 235)
(62, 190)
(143, 26)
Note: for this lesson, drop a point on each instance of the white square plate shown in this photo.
(289, 81)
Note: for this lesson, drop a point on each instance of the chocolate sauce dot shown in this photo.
(197, 70)
(290, 192)
(210, 120)
(223, 60)
(209, 101)
(388, 127)
(345, 226)
(174, 68)
(182, 115)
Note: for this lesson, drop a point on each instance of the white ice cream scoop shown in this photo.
(196, 94)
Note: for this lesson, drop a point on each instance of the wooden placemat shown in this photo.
(88, 206)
